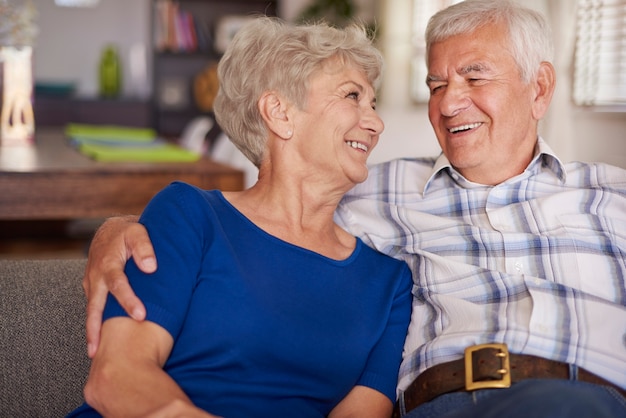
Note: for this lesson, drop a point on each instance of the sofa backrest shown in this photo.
(43, 351)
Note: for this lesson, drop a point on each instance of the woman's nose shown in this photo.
(372, 122)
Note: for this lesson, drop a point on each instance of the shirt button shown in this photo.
(519, 267)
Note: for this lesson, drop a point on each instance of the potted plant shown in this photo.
(337, 13)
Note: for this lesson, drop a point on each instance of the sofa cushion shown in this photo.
(43, 350)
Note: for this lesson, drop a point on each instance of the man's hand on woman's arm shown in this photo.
(115, 242)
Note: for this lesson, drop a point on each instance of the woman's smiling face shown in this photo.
(339, 127)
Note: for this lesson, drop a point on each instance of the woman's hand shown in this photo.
(180, 409)
(115, 242)
(363, 402)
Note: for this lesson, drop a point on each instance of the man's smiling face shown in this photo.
(480, 109)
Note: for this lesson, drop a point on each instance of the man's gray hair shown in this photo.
(529, 33)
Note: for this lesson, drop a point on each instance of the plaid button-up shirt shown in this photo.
(537, 262)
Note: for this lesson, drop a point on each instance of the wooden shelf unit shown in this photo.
(174, 71)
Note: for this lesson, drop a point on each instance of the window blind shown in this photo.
(600, 57)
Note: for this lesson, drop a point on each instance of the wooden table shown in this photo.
(52, 181)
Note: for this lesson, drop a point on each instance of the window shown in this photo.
(600, 60)
(76, 3)
(422, 11)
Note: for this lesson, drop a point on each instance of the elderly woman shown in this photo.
(262, 306)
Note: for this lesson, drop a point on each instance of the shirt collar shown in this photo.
(544, 158)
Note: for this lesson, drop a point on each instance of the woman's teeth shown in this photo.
(357, 145)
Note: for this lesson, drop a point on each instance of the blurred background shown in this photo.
(166, 84)
(71, 40)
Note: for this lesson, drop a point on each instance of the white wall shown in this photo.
(70, 42)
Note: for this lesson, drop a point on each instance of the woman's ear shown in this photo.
(274, 110)
(545, 84)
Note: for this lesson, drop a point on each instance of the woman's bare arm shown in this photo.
(127, 377)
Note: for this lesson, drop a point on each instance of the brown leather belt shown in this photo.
(486, 366)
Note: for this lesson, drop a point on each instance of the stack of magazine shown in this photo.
(110, 143)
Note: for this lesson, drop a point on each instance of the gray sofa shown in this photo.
(43, 351)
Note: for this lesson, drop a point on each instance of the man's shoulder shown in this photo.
(416, 163)
(398, 174)
(402, 175)
(595, 174)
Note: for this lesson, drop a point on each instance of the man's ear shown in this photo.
(545, 84)
(274, 109)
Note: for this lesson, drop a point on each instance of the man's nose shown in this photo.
(454, 100)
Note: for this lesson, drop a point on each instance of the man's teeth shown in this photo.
(357, 145)
(465, 127)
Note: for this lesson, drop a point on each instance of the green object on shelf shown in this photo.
(335, 12)
(110, 73)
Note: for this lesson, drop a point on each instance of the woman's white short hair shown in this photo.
(270, 54)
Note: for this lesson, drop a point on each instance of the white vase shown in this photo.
(17, 121)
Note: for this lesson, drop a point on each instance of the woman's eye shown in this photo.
(353, 95)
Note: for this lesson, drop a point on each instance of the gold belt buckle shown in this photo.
(504, 370)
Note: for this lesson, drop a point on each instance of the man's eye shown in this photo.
(435, 88)
(353, 95)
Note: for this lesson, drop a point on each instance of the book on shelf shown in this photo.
(175, 29)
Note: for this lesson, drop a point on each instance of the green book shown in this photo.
(111, 143)
(157, 154)
(110, 133)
